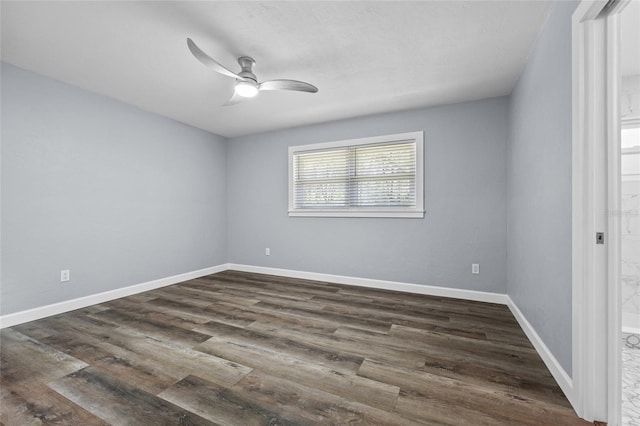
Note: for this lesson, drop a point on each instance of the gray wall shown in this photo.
(539, 186)
(465, 190)
(117, 195)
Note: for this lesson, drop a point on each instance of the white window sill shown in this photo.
(415, 214)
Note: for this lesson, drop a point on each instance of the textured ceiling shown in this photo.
(365, 57)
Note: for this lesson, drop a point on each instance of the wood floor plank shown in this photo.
(435, 348)
(153, 311)
(159, 328)
(212, 312)
(509, 338)
(26, 359)
(264, 341)
(434, 322)
(283, 284)
(35, 330)
(118, 362)
(311, 405)
(182, 294)
(27, 404)
(503, 351)
(470, 397)
(494, 316)
(289, 367)
(497, 377)
(272, 324)
(285, 301)
(178, 360)
(221, 405)
(346, 345)
(356, 322)
(117, 402)
(240, 348)
(388, 311)
(77, 321)
(27, 365)
(259, 291)
(206, 292)
(433, 411)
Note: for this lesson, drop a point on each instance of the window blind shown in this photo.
(360, 176)
(321, 178)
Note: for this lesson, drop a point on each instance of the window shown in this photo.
(371, 177)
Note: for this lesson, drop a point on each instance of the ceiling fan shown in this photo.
(247, 85)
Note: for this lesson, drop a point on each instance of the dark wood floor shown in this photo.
(247, 349)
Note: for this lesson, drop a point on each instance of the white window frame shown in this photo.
(388, 212)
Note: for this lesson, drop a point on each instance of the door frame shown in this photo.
(596, 315)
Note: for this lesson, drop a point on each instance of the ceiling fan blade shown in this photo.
(208, 61)
(235, 98)
(299, 86)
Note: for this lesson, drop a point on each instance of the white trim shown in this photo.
(16, 318)
(614, 204)
(558, 373)
(588, 10)
(595, 193)
(406, 213)
(588, 212)
(578, 206)
(479, 296)
(371, 140)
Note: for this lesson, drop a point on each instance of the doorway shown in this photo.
(606, 241)
(629, 107)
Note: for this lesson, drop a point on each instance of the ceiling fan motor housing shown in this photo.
(246, 63)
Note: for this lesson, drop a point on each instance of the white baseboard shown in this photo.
(564, 380)
(16, 318)
(479, 296)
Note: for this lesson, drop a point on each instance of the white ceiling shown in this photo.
(365, 57)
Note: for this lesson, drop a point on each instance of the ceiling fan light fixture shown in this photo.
(246, 89)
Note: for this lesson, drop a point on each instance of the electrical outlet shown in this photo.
(267, 251)
(65, 275)
(475, 268)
